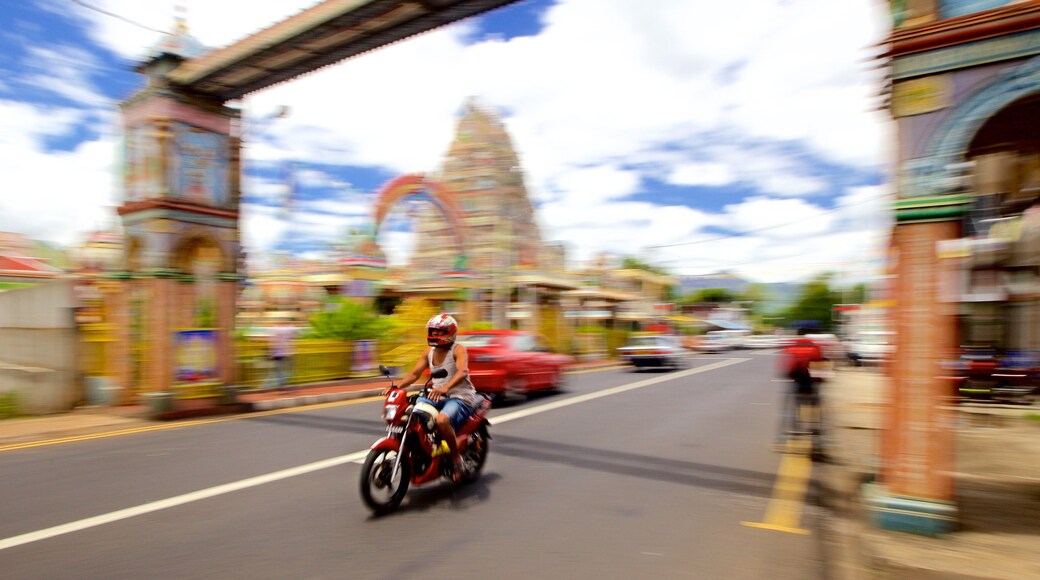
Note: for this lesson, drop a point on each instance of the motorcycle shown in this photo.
(981, 375)
(412, 452)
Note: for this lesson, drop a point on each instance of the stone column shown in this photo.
(117, 356)
(227, 291)
(159, 358)
(915, 492)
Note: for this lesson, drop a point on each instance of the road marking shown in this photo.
(597, 369)
(613, 391)
(784, 512)
(176, 501)
(241, 484)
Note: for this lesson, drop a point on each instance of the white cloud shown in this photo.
(262, 228)
(64, 72)
(702, 174)
(54, 196)
(608, 95)
(785, 218)
(398, 247)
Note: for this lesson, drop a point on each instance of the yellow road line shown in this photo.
(784, 512)
(597, 369)
(192, 423)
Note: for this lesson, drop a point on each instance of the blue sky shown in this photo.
(699, 136)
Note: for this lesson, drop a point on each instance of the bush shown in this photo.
(351, 321)
(9, 405)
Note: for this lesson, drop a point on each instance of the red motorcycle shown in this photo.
(412, 452)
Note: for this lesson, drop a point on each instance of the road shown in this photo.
(623, 474)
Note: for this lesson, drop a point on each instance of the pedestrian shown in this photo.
(282, 337)
(795, 362)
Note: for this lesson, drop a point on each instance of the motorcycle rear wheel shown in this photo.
(379, 493)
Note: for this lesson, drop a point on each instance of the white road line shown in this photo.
(241, 484)
(176, 501)
(613, 391)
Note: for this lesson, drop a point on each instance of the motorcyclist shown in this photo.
(795, 364)
(454, 396)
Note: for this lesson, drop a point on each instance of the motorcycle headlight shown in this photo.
(389, 412)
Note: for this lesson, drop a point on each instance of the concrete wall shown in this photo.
(38, 359)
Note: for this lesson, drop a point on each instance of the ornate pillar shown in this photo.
(227, 294)
(180, 217)
(117, 313)
(915, 492)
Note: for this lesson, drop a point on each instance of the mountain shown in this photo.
(730, 282)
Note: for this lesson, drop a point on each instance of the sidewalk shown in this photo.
(92, 420)
(997, 476)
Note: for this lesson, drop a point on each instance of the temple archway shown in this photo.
(416, 186)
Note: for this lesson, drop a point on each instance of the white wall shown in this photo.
(38, 347)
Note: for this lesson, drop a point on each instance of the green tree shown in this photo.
(713, 295)
(815, 304)
(630, 263)
(350, 321)
(754, 298)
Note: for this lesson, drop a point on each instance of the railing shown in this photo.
(96, 341)
(314, 360)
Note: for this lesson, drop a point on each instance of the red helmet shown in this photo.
(441, 330)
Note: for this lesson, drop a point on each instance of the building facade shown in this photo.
(965, 96)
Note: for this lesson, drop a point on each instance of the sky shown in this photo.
(700, 137)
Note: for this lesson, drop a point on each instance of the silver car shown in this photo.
(652, 351)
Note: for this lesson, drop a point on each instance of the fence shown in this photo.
(315, 360)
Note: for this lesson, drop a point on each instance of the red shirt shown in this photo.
(798, 355)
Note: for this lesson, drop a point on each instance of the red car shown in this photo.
(510, 363)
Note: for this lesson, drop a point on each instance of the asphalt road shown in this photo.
(622, 475)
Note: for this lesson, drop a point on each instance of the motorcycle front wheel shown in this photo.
(381, 491)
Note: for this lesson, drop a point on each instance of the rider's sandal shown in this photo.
(458, 471)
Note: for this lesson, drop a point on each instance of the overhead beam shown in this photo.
(327, 33)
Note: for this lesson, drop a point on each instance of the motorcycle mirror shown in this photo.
(439, 374)
(384, 370)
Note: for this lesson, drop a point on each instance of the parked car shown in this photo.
(870, 347)
(512, 363)
(657, 350)
(722, 340)
(763, 341)
(713, 343)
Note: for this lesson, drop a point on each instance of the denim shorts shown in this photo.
(456, 410)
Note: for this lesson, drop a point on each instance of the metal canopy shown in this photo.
(319, 36)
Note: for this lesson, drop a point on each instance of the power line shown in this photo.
(113, 15)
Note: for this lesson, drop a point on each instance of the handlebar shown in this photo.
(437, 374)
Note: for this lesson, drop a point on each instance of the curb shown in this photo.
(305, 400)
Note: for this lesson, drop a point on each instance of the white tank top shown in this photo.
(463, 391)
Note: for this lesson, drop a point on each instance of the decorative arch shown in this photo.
(191, 241)
(953, 136)
(416, 184)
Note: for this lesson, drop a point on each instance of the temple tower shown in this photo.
(482, 171)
